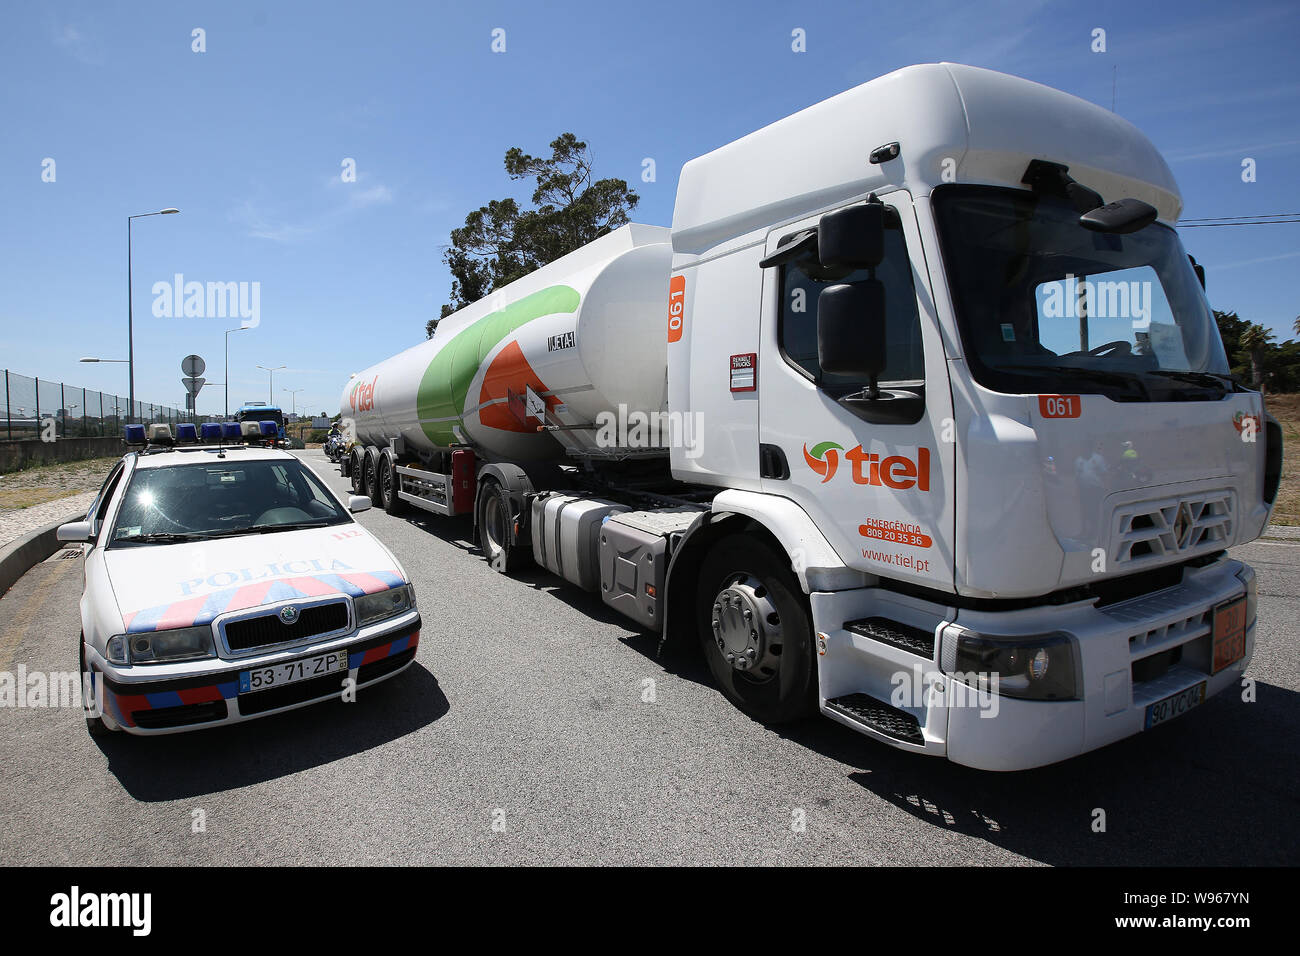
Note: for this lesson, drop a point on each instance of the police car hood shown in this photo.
(161, 586)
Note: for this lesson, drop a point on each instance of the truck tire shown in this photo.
(494, 520)
(389, 483)
(95, 726)
(370, 474)
(356, 471)
(755, 630)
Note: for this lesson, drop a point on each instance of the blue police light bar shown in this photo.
(211, 431)
(269, 429)
(230, 430)
(135, 434)
(186, 433)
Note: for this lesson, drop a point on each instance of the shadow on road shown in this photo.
(1218, 787)
(181, 766)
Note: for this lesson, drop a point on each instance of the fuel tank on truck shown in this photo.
(585, 334)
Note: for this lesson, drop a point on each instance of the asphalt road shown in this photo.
(526, 706)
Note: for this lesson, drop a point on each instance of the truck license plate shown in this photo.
(290, 672)
(1175, 705)
(1229, 634)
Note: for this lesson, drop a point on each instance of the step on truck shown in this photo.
(917, 416)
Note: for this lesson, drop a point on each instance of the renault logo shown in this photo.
(1182, 525)
(289, 614)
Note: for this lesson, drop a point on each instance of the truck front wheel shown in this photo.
(755, 631)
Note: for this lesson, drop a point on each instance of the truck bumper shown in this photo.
(1167, 634)
(148, 700)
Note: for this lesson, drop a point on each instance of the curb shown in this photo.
(20, 556)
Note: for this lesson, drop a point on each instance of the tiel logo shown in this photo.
(823, 459)
(1239, 422)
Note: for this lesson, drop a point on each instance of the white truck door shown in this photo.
(876, 476)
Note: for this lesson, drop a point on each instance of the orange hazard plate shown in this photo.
(1229, 634)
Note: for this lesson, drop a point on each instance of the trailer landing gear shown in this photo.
(755, 632)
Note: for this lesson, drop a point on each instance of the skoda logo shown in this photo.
(289, 614)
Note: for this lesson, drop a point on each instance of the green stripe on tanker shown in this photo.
(445, 384)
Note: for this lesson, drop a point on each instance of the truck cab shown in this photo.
(985, 411)
(258, 412)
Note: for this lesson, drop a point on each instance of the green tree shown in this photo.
(502, 241)
(1257, 341)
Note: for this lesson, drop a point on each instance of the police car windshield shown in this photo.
(219, 498)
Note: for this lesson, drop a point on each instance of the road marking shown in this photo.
(22, 620)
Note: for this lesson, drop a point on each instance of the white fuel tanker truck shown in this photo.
(918, 416)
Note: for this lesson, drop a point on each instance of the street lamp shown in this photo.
(130, 318)
(271, 391)
(225, 386)
(293, 398)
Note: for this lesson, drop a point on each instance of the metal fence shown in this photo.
(31, 403)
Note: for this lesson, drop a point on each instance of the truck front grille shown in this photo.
(267, 629)
(1172, 527)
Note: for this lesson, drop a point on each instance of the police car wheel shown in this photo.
(95, 726)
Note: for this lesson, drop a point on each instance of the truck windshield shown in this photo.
(214, 499)
(262, 415)
(1045, 305)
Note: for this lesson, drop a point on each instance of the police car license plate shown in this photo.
(290, 672)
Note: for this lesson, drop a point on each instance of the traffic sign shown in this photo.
(192, 365)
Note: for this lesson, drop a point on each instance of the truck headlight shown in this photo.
(1034, 667)
(179, 644)
(383, 604)
(1247, 577)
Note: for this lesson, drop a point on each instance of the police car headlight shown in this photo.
(115, 649)
(1035, 667)
(180, 644)
(384, 604)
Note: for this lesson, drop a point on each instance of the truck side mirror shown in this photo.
(852, 237)
(851, 329)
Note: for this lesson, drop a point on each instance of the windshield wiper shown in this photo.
(1197, 378)
(1089, 374)
(159, 536)
(267, 528)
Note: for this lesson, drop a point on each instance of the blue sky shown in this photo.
(247, 139)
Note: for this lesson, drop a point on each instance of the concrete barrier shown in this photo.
(20, 556)
(15, 455)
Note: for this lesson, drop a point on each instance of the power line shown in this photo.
(1212, 225)
(1262, 215)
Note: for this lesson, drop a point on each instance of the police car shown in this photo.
(225, 581)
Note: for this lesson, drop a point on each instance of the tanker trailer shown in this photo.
(518, 382)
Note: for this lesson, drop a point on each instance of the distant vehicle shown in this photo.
(225, 582)
(258, 412)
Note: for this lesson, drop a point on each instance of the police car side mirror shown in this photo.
(358, 503)
(75, 531)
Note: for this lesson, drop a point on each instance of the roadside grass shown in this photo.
(1286, 409)
(41, 483)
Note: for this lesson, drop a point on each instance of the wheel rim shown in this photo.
(387, 483)
(747, 627)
